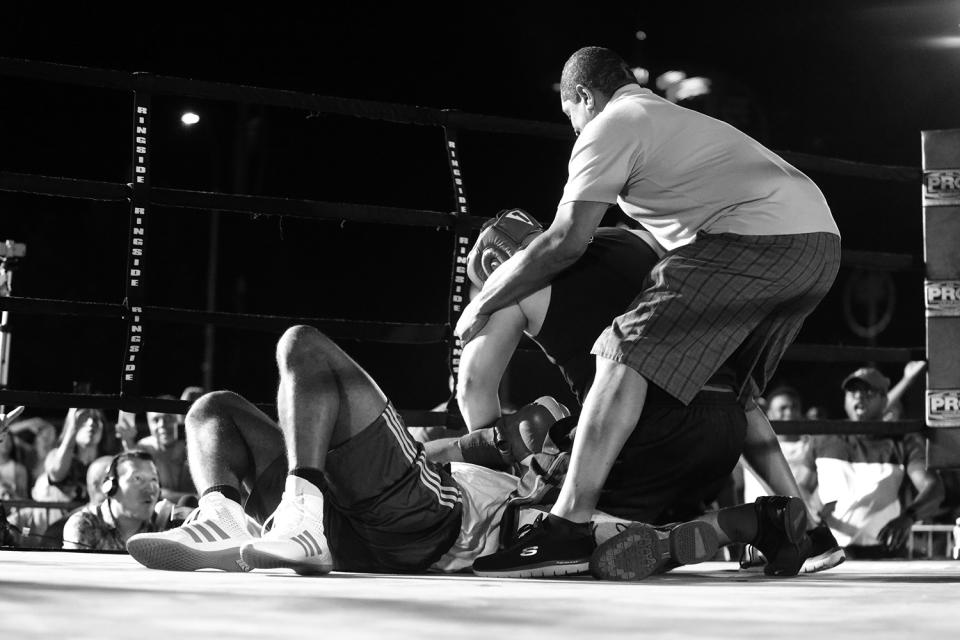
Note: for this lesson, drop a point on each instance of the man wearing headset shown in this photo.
(132, 505)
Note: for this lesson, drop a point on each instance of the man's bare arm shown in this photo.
(550, 253)
(895, 533)
(911, 371)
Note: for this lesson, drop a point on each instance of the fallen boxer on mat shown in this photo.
(339, 484)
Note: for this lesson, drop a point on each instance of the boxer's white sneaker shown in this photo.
(293, 536)
(210, 538)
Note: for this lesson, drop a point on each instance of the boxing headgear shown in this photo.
(500, 238)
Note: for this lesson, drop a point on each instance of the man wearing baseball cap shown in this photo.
(860, 476)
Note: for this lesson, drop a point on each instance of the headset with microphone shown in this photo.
(111, 481)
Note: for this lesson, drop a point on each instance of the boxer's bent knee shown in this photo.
(209, 406)
(301, 345)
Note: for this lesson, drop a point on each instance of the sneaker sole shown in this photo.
(642, 550)
(693, 542)
(264, 560)
(824, 561)
(546, 570)
(168, 555)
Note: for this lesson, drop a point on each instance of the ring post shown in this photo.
(459, 286)
(137, 245)
(941, 236)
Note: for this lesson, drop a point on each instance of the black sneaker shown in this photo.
(781, 527)
(642, 550)
(751, 558)
(551, 546)
(818, 549)
(822, 550)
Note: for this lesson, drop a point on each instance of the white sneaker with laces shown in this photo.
(210, 538)
(295, 540)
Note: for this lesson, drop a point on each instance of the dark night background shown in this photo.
(852, 80)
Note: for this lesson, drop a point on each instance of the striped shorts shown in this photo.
(722, 298)
(386, 508)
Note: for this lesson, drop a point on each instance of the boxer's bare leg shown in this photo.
(324, 398)
(230, 441)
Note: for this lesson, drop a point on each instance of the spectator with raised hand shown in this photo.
(65, 467)
(860, 476)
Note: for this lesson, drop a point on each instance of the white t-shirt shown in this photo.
(485, 493)
(677, 172)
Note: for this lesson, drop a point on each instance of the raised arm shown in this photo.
(58, 461)
(911, 371)
(7, 419)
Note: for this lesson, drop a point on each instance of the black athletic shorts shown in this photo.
(386, 508)
(677, 458)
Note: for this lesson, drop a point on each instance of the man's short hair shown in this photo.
(596, 68)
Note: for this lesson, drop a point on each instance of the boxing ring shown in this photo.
(81, 595)
(42, 593)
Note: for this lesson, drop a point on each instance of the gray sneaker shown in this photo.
(642, 550)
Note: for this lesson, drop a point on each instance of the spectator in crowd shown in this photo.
(33, 439)
(14, 483)
(861, 476)
(168, 450)
(65, 468)
(131, 490)
(96, 472)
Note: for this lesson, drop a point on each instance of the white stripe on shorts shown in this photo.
(446, 496)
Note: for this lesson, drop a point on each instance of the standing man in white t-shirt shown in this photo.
(752, 249)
